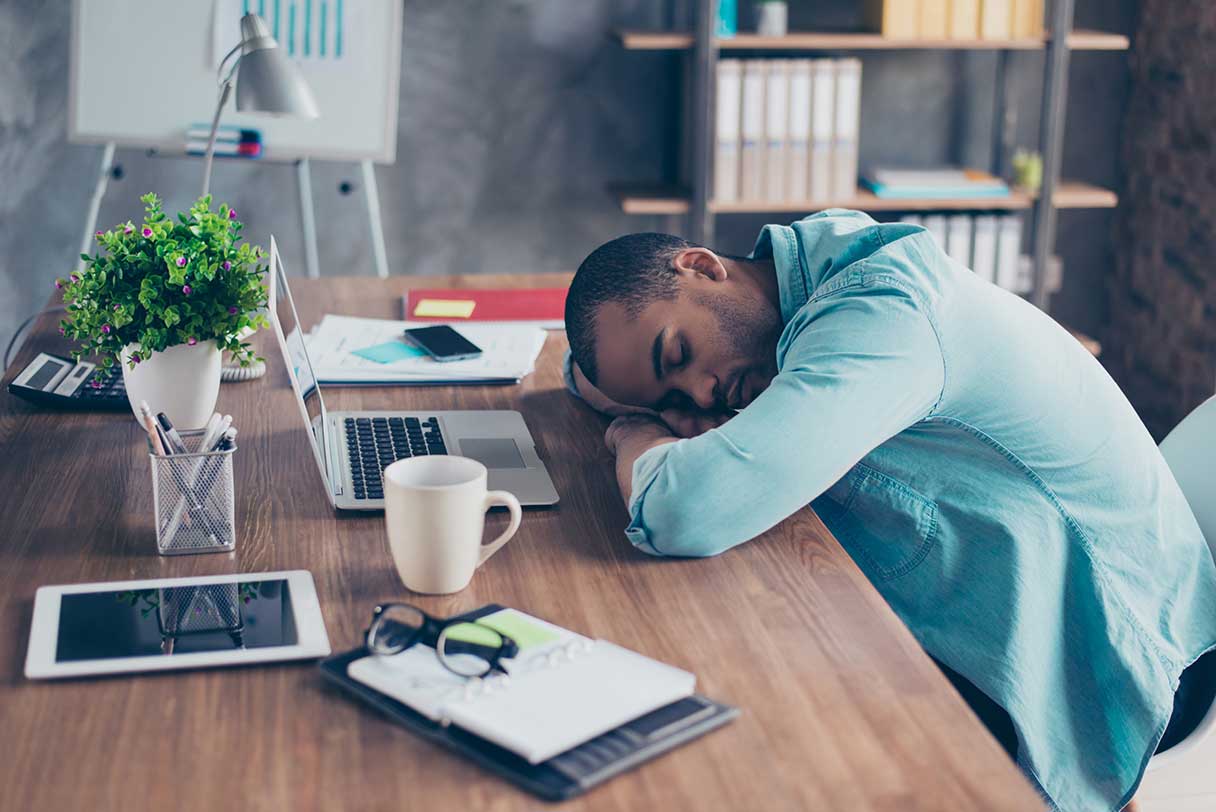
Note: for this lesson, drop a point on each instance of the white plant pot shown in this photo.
(772, 19)
(182, 381)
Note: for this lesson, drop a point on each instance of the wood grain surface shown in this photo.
(841, 710)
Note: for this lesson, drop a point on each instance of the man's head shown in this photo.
(656, 321)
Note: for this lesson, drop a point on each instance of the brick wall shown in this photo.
(1162, 341)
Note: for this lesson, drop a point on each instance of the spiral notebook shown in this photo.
(564, 689)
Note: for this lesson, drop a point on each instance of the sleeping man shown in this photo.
(982, 469)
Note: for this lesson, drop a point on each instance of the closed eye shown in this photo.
(681, 357)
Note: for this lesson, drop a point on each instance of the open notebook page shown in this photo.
(552, 702)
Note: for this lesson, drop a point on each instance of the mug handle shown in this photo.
(508, 501)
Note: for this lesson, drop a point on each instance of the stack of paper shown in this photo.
(352, 350)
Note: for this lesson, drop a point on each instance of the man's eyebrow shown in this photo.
(656, 355)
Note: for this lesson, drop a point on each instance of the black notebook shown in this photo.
(568, 773)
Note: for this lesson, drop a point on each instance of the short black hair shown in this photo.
(633, 271)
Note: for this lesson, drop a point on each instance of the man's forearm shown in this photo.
(630, 438)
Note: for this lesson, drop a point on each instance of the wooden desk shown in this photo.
(841, 708)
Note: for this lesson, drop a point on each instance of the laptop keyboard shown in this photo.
(373, 443)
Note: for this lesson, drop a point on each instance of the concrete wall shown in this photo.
(1162, 291)
(514, 115)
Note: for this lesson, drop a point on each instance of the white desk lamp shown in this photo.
(268, 83)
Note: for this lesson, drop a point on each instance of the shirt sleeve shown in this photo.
(857, 367)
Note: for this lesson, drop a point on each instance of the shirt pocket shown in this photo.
(887, 526)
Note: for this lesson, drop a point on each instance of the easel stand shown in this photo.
(308, 220)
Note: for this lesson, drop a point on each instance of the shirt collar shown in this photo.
(780, 244)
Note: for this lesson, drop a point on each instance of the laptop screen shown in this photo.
(291, 341)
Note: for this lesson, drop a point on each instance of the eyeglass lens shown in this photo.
(469, 649)
(395, 629)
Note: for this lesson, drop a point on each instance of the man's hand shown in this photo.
(682, 422)
(630, 437)
(627, 433)
(598, 400)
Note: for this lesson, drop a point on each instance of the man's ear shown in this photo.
(701, 262)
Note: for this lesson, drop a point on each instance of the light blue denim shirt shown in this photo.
(984, 472)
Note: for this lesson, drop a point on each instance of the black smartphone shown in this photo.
(443, 343)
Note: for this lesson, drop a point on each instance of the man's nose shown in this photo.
(703, 392)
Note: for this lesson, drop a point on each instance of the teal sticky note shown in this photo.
(388, 352)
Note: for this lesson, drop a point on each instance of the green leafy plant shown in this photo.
(164, 283)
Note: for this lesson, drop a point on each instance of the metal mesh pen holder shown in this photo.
(194, 499)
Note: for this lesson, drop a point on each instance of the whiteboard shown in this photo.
(142, 72)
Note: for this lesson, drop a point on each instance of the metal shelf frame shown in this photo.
(1058, 42)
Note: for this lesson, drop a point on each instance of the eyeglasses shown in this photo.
(466, 648)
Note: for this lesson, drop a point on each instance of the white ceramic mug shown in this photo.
(435, 509)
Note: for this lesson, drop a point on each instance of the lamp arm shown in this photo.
(215, 124)
(219, 72)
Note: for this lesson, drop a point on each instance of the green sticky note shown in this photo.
(388, 352)
(518, 628)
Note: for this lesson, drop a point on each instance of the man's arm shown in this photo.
(630, 437)
(858, 367)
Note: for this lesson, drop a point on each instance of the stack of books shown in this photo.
(231, 142)
(787, 130)
(933, 184)
(956, 19)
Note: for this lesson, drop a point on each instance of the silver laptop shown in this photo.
(352, 448)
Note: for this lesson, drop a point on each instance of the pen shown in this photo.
(175, 439)
(145, 411)
(221, 431)
(213, 432)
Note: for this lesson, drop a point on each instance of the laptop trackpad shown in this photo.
(492, 453)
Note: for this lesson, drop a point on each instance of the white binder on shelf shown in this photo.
(847, 129)
(751, 154)
(958, 238)
(798, 143)
(996, 19)
(936, 225)
(823, 129)
(934, 19)
(726, 142)
(964, 19)
(984, 254)
(776, 129)
(1008, 252)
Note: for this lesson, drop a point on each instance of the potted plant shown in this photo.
(165, 298)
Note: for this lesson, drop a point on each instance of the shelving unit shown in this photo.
(702, 48)
(667, 200)
(849, 41)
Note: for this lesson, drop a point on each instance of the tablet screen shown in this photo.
(175, 620)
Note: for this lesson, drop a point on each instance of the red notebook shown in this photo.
(545, 306)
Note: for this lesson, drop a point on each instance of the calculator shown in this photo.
(51, 380)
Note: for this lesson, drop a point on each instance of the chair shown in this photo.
(1190, 451)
